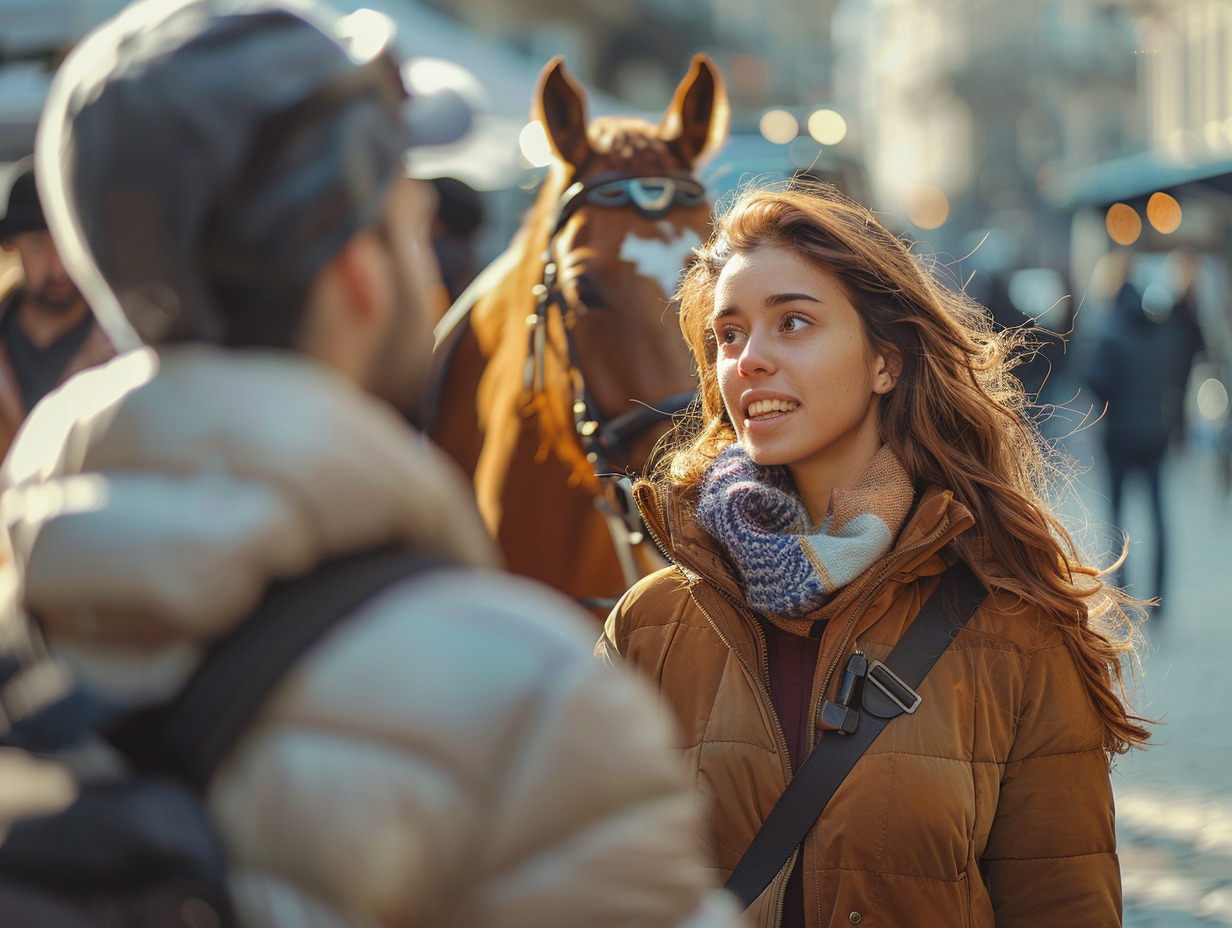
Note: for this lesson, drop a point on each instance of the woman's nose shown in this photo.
(754, 358)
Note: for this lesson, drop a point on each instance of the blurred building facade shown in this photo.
(974, 112)
(774, 52)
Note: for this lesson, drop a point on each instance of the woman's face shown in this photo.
(799, 378)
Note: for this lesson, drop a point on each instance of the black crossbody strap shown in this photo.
(947, 610)
(193, 734)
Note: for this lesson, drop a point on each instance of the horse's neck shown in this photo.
(509, 299)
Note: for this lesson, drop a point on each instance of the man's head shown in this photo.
(24, 230)
(231, 171)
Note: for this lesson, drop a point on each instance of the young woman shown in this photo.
(858, 434)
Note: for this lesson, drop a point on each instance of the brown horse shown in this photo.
(566, 367)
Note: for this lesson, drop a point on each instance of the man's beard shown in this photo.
(56, 306)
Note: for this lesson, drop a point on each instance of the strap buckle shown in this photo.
(890, 683)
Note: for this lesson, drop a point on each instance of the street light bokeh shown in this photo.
(1163, 212)
(827, 126)
(779, 126)
(1123, 223)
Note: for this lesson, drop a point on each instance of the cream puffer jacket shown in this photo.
(450, 755)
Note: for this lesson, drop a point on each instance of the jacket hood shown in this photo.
(935, 520)
(151, 501)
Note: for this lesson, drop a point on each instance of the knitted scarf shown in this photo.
(789, 567)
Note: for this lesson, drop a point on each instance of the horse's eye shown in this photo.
(589, 293)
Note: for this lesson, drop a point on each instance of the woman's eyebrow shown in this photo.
(778, 299)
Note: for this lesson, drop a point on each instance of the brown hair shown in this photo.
(956, 417)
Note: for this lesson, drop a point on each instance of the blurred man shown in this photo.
(224, 179)
(47, 332)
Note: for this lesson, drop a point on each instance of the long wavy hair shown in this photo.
(957, 418)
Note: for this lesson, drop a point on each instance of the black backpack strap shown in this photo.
(946, 611)
(193, 734)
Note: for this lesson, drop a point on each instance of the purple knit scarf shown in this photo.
(788, 566)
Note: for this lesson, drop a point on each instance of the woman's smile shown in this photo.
(767, 409)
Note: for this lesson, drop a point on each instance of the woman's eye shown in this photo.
(794, 324)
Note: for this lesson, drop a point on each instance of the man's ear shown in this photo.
(362, 280)
(888, 363)
(349, 305)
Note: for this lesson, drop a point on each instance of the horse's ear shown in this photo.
(695, 124)
(560, 105)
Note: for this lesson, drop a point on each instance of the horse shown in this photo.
(561, 369)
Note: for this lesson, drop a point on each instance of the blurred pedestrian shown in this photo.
(1184, 317)
(47, 332)
(459, 216)
(1139, 369)
(857, 454)
(224, 179)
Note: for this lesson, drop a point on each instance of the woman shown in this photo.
(859, 433)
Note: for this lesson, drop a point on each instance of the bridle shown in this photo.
(604, 438)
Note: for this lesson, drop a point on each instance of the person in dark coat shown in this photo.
(1139, 370)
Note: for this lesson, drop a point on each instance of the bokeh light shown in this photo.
(365, 32)
(1163, 212)
(827, 127)
(533, 141)
(927, 206)
(779, 126)
(1212, 398)
(1123, 223)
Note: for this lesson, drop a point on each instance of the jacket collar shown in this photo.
(935, 520)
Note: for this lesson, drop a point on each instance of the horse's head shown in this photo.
(616, 222)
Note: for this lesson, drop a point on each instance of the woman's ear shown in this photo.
(887, 366)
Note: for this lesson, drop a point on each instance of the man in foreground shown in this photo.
(225, 182)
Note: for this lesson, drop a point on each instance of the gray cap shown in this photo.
(199, 160)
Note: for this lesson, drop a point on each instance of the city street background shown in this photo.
(1022, 142)
(1174, 800)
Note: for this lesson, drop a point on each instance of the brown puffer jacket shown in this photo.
(991, 805)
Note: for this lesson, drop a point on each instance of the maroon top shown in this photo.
(793, 664)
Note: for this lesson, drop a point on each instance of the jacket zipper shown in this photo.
(761, 681)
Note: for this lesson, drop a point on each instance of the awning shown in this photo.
(1136, 177)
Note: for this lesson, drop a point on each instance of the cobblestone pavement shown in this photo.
(1174, 801)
